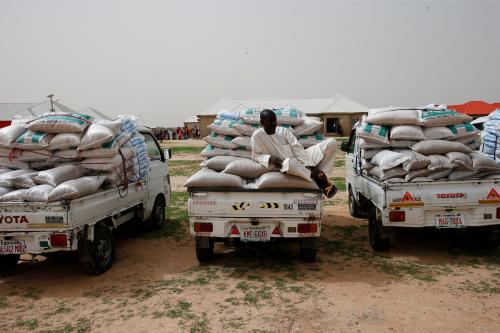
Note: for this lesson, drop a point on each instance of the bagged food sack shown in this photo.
(246, 129)
(403, 144)
(407, 132)
(55, 122)
(14, 196)
(221, 141)
(245, 168)
(437, 175)
(462, 174)
(310, 140)
(393, 117)
(289, 116)
(64, 141)
(6, 176)
(211, 151)
(440, 147)
(6, 162)
(76, 188)
(39, 193)
(109, 163)
(241, 153)
(375, 133)
(25, 180)
(280, 180)
(209, 178)
(5, 190)
(440, 162)
(219, 163)
(433, 118)
(224, 127)
(66, 155)
(243, 142)
(114, 125)
(480, 162)
(437, 133)
(388, 159)
(417, 173)
(382, 175)
(309, 126)
(33, 140)
(95, 136)
(463, 130)
(415, 160)
(369, 153)
(59, 174)
(9, 134)
(367, 144)
(462, 161)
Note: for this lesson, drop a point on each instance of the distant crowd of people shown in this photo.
(179, 133)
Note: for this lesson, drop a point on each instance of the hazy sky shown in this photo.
(168, 60)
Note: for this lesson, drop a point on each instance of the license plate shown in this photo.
(12, 247)
(450, 221)
(255, 233)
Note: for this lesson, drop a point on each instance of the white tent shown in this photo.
(94, 113)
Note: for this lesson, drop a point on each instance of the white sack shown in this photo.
(422, 180)
(38, 193)
(437, 133)
(367, 144)
(243, 142)
(9, 134)
(5, 190)
(407, 132)
(59, 174)
(55, 122)
(310, 140)
(211, 151)
(13, 164)
(415, 160)
(25, 155)
(440, 162)
(463, 130)
(245, 168)
(279, 180)
(42, 165)
(246, 129)
(76, 188)
(289, 116)
(440, 147)
(114, 125)
(25, 180)
(442, 118)
(70, 154)
(95, 136)
(63, 141)
(480, 162)
(6, 176)
(221, 141)
(375, 133)
(388, 159)
(33, 140)
(393, 117)
(436, 175)
(14, 196)
(241, 153)
(224, 127)
(403, 144)
(309, 126)
(417, 173)
(369, 153)
(108, 163)
(462, 161)
(219, 163)
(210, 178)
(462, 174)
(382, 175)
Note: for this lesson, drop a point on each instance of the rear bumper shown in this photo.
(419, 217)
(288, 228)
(40, 242)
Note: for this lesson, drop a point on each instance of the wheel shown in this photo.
(8, 262)
(157, 219)
(484, 237)
(354, 208)
(377, 242)
(97, 256)
(204, 249)
(308, 250)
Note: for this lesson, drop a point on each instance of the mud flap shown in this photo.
(308, 243)
(203, 243)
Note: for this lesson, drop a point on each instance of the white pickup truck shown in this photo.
(472, 204)
(85, 224)
(244, 215)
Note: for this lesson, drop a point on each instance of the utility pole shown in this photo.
(51, 102)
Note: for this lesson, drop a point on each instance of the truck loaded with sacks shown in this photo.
(421, 167)
(67, 180)
(234, 198)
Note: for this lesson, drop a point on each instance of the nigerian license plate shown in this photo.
(450, 221)
(12, 247)
(255, 233)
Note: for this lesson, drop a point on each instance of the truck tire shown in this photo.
(354, 208)
(97, 256)
(308, 250)
(204, 249)
(8, 262)
(377, 242)
(157, 219)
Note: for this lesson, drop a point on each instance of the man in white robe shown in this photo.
(278, 147)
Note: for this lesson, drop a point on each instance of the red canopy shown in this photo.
(475, 108)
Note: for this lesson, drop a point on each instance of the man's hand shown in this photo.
(277, 162)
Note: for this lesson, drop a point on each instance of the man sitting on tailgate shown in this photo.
(272, 146)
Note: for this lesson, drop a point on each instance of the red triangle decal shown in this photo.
(493, 195)
(407, 197)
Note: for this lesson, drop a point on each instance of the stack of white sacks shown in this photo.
(489, 137)
(419, 145)
(229, 153)
(63, 156)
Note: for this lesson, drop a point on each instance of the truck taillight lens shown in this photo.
(59, 240)
(203, 227)
(397, 216)
(498, 212)
(307, 228)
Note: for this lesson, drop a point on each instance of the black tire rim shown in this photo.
(103, 250)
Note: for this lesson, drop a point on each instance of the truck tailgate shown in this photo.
(29, 216)
(229, 203)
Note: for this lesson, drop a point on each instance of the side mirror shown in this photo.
(167, 153)
(344, 146)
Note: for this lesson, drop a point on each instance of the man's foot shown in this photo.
(330, 191)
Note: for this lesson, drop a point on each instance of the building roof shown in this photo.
(193, 119)
(312, 106)
(475, 108)
(8, 110)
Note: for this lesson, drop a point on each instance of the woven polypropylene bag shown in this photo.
(63, 141)
(309, 126)
(14, 196)
(221, 141)
(382, 175)
(39, 193)
(289, 116)
(224, 127)
(415, 160)
(76, 188)
(437, 175)
(243, 142)
(407, 132)
(109, 163)
(59, 174)
(245, 168)
(33, 140)
(219, 163)
(440, 162)
(6, 162)
(375, 133)
(461, 160)
(211, 151)
(209, 178)
(437, 133)
(462, 174)
(54, 122)
(241, 153)
(481, 162)
(246, 129)
(436, 118)
(5, 178)
(95, 136)
(388, 159)
(417, 173)
(393, 117)
(403, 144)
(279, 180)
(440, 147)
(463, 130)
(9, 134)
(26, 180)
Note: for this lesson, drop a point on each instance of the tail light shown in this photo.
(397, 216)
(203, 227)
(235, 231)
(498, 212)
(277, 231)
(307, 228)
(59, 240)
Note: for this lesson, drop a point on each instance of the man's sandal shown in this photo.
(330, 191)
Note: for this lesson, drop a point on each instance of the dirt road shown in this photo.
(427, 282)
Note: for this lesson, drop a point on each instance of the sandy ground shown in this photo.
(427, 282)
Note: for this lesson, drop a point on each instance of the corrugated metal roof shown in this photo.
(7, 110)
(336, 104)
